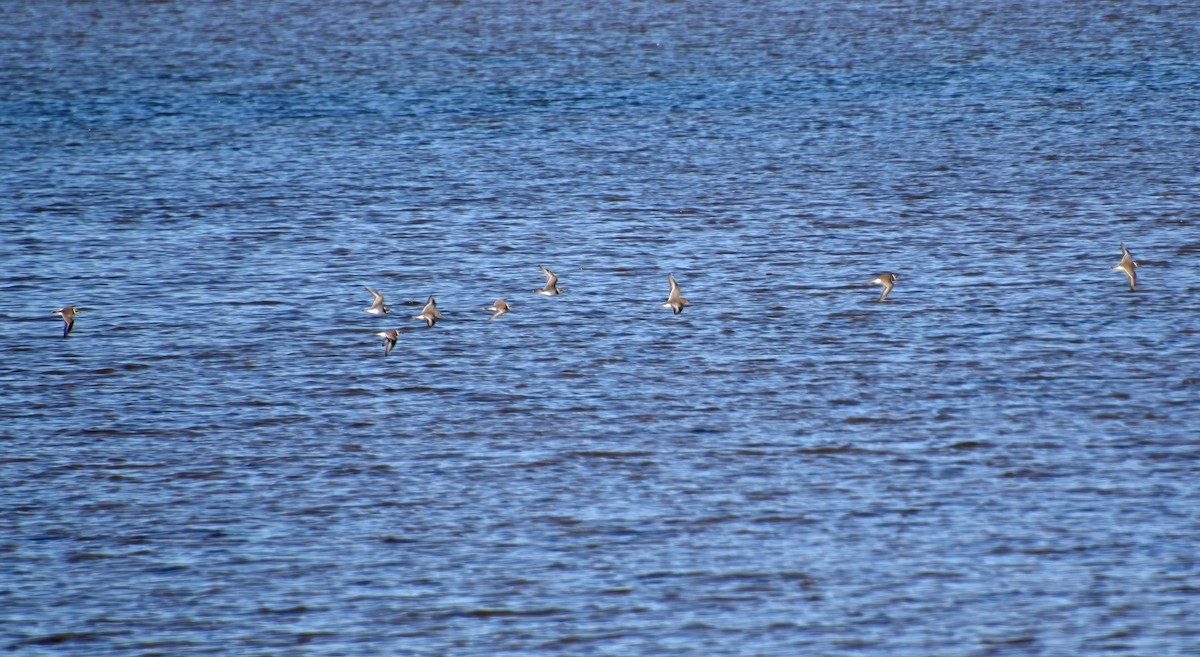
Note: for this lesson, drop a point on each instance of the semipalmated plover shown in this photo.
(887, 280)
(389, 340)
(377, 307)
(674, 300)
(429, 313)
(68, 316)
(551, 288)
(1127, 265)
(500, 307)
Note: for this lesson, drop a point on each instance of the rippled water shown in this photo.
(1000, 459)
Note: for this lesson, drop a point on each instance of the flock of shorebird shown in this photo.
(675, 301)
(431, 315)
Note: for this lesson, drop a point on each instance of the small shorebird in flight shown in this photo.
(887, 280)
(500, 307)
(429, 313)
(1127, 265)
(377, 307)
(675, 300)
(389, 340)
(551, 288)
(68, 314)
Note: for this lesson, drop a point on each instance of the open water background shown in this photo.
(1003, 459)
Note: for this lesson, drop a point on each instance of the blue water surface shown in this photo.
(1001, 459)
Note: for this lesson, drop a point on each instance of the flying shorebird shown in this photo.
(389, 340)
(429, 313)
(500, 307)
(887, 280)
(674, 300)
(68, 316)
(1127, 265)
(551, 288)
(377, 307)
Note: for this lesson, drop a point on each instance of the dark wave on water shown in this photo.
(999, 459)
